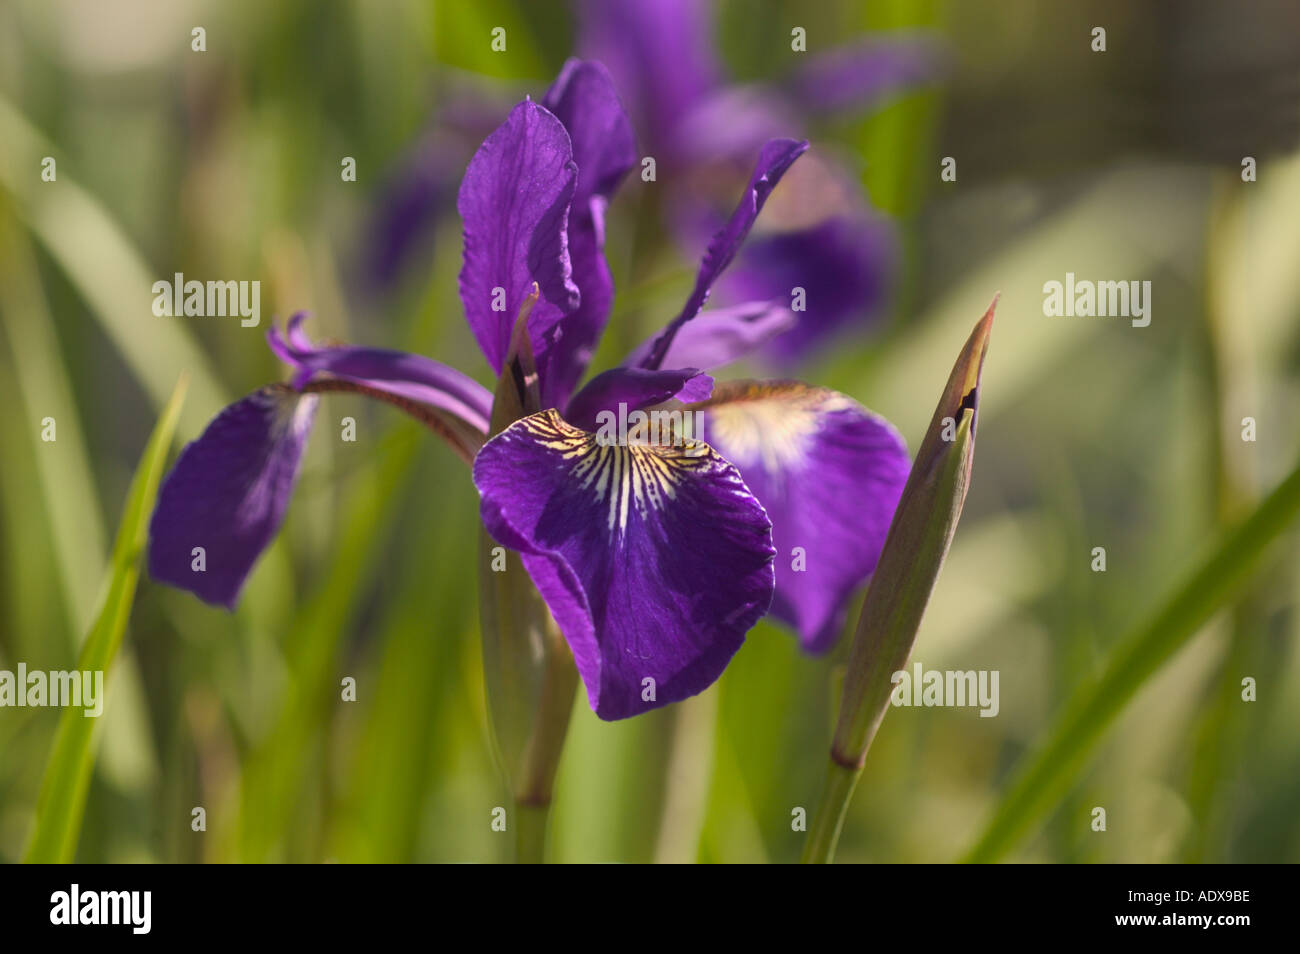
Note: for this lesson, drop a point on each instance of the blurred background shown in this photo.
(1117, 165)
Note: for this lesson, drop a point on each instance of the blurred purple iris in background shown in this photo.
(703, 131)
(824, 238)
(654, 559)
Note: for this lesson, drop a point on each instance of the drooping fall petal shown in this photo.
(655, 560)
(412, 377)
(843, 269)
(226, 497)
(829, 473)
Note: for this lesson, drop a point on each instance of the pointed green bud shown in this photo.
(914, 550)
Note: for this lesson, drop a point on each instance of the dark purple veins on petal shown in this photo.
(583, 98)
(654, 560)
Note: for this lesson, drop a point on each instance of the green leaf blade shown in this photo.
(62, 800)
(1049, 772)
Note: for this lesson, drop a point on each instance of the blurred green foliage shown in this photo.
(1092, 433)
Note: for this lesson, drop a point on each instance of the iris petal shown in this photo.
(604, 147)
(721, 335)
(634, 388)
(514, 203)
(583, 98)
(845, 266)
(654, 560)
(228, 494)
(412, 377)
(773, 161)
(661, 54)
(829, 473)
(860, 76)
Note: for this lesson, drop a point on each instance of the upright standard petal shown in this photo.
(655, 560)
(584, 99)
(226, 497)
(514, 203)
(773, 161)
(829, 473)
(604, 147)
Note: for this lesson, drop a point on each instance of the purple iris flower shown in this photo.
(824, 237)
(654, 558)
(703, 131)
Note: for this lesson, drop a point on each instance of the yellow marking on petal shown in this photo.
(622, 477)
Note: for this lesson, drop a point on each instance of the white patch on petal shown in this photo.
(292, 413)
(771, 429)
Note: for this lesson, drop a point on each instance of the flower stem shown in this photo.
(530, 681)
(531, 822)
(541, 758)
(528, 671)
(841, 780)
(914, 551)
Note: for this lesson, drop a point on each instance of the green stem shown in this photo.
(900, 587)
(530, 682)
(555, 705)
(542, 755)
(530, 830)
(829, 817)
(1049, 772)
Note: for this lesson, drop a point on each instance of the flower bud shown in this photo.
(914, 550)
